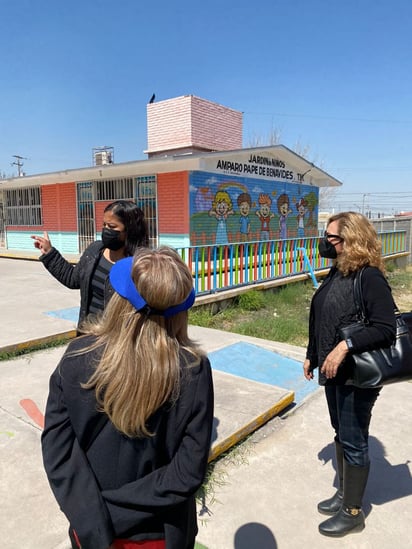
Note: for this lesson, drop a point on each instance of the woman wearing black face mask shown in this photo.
(124, 230)
(351, 241)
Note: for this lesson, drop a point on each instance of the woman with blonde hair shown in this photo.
(130, 412)
(351, 241)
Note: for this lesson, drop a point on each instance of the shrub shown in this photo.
(390, 266)
(251, 301)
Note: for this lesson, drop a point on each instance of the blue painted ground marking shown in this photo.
(72, 313)
(257, 364)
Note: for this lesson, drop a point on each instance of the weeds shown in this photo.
(401, 280)
(15, 353)
(390, 267)
(216, 476)
(251, 301)
(281, 314)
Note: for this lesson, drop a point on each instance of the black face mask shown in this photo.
(327, 249)
(111, 239)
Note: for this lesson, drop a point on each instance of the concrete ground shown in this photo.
(264, 495)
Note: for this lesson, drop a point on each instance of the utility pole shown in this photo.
(18, 163)
(363, 202)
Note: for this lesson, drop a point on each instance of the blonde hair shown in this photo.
(222, 196)
(139, 370)
(362, 246)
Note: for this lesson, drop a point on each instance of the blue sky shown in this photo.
(331, 76)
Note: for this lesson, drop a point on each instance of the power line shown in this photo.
(387, 193)
(375, 169)
(322, 117)
(18, 163)
(373, 204)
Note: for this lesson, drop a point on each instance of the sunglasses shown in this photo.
(330, 236)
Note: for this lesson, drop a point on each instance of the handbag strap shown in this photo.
(358, 296)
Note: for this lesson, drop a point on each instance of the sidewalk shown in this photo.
(271, 497)
(269, 501)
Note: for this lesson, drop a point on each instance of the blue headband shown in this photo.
(122, 282)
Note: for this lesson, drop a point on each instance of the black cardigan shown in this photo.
(79, 276)
(118, 487)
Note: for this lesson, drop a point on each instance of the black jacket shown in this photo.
(111, 486)
(79, 276)
(335, 306)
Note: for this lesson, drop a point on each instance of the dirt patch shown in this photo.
(401, 283)
(403, 301)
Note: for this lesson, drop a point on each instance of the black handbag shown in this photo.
(385, 365)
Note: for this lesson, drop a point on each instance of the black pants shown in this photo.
(350, 411)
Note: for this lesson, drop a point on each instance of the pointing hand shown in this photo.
(42, 243)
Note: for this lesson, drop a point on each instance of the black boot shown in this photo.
(350, 518)
(332, 505)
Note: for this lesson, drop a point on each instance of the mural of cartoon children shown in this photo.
(265, 215)
(244, 202)
(221, 208)
(284, 210)
(301, 207)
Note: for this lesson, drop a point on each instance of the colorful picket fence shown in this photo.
(218, 268)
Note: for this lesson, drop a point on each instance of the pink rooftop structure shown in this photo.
(190, 125)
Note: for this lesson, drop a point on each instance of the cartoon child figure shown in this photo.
(221, 209)
(244, 202)
(284, 210)
(301, 207)
(265, 215)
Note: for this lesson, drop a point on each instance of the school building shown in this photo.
(197, 187)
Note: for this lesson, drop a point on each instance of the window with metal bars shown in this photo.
(22, 206)
(85, 214)
(142, 190)
(146, 199)
(114, 189)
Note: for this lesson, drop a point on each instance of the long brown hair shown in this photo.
(362, 247)
(135, 225)
(140, 367)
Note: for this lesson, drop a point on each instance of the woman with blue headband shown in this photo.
(129, 414)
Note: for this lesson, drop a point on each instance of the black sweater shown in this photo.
(333, 307)
(118, 487)
(79, 276)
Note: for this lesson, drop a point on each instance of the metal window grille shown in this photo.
(23, 206)
(115, 189)
(142, 190)
(146, 199)
(85, 214)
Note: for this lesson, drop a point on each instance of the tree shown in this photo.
(327, 195)
(273, 138)
(327, 198)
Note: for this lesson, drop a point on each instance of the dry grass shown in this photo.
(283, 314)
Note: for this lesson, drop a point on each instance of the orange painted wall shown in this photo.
(59, 207)
(98, 213)
(173, 202)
